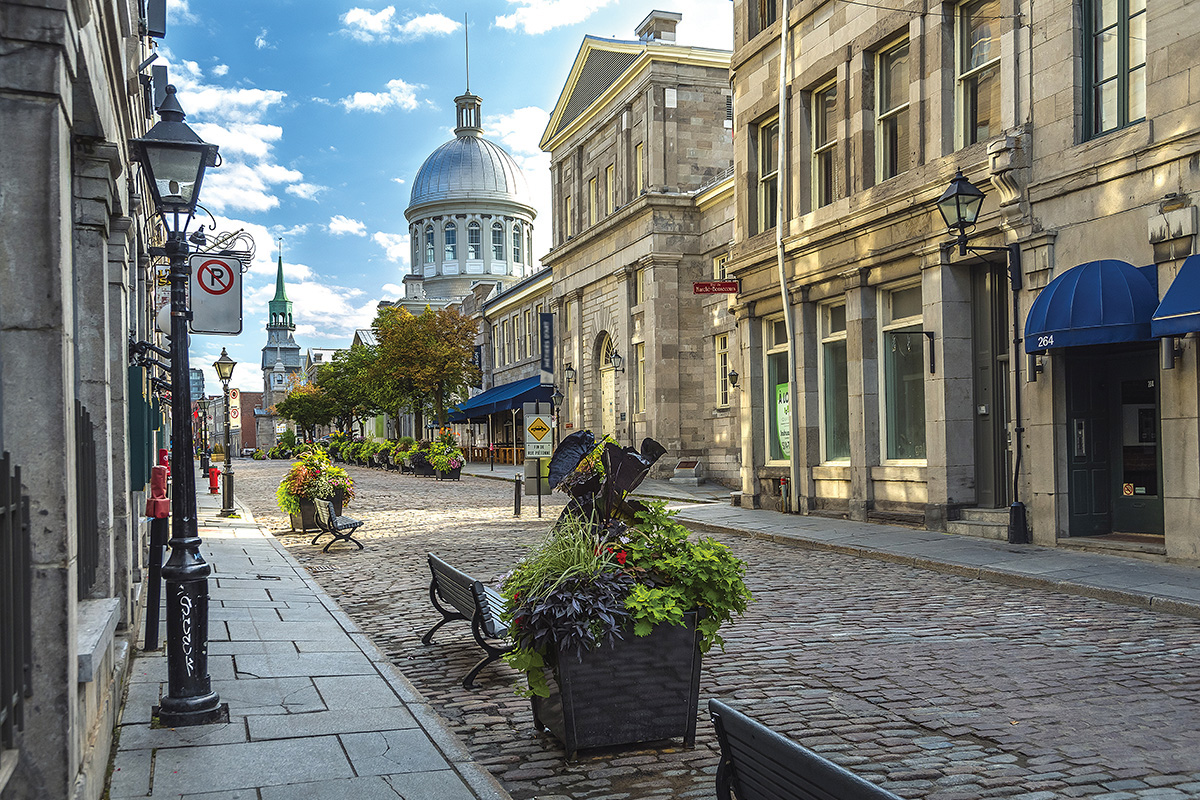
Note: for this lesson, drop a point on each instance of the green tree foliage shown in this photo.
(348, 383)
(424, 362)
(308, 406)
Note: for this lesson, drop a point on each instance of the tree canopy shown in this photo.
(423, 363)
(307, 406)
(347, 382)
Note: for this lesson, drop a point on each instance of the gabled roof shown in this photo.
(604, 67)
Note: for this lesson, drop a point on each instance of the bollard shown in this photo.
(158, 509)
(517, 496)
(214, 475)
(785, 497)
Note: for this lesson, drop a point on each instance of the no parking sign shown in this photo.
(215, 289)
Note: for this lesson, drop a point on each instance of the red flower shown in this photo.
(621, 557)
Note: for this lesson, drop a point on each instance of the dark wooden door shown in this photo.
(989, 307)
(1089, 473)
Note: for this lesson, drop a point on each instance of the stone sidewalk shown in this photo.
(316, 711)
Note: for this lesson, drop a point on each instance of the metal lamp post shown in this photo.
(202, 405)
(960, 205)
(173, 159)
(224, 367)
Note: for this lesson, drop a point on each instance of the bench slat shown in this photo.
(765, 765)
(474, 602)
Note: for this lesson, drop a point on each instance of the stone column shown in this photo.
(808, 404)
(751, 412)
(862, 368)
(126, 514)
(661, 330)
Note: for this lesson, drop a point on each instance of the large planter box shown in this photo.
(450, 474)
(423, 470)
(641, 689)
(307, 518)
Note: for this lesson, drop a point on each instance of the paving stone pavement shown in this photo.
(933, 685)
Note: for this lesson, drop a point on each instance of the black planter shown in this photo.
(424, 470)
(641, 689)
(307, 518)
(449, 474)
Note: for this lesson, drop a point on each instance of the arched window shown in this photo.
(428, 244)
(497, 242)
(451, 246)
(415, 234)
(516, 242)
(529, 244)
(474, 242)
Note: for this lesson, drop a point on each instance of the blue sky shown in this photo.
(324, 110)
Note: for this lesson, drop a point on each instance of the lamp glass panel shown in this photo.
(176, 171)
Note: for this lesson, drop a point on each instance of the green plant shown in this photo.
(445, 457)
(611, 564)
(312, 477)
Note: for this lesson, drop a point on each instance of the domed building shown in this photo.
(470, 214)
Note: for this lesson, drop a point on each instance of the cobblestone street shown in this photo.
(932, 685)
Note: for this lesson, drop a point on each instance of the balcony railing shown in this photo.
(16, 627)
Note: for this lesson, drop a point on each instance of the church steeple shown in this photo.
(280, 308)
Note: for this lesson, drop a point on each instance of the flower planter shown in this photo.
(424, 470)
(640, 689)
(307, 518)
(449, 474)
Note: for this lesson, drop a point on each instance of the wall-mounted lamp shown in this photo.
(733, 378)
(1036, 366)
(616, 361)
(1169, 350)
(569, 373)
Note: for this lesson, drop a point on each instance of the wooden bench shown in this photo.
(467, 599)
(759, 764)
(342, 528)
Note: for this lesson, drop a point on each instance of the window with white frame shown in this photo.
(777, 399)
(593, 211)
(497, 241)
(719, 273)
(529, 245)
(639, 169)
(767, 197)
(429, 244)
(825, 165)
(610, 188)
(1114, 63)
(639, 286)
(978, 70)
(520, 331)
(891, 135)
(903, 362)
(529, 329)
(496, 345)
(639, 386)
(509, 354)
(474, 242)
(721, 351)
(450, 242)
(538, 310)
(516, 242)
(834, 385)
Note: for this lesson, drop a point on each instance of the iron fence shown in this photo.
(16, 626)
(86, 511)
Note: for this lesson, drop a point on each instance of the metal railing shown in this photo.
(16, 625)
(86, 512)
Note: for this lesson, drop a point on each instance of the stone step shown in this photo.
(995, 516)
(980, 530)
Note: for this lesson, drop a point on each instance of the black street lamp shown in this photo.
(173, 159)
(960, 205)
(202, 405)
(224, 367)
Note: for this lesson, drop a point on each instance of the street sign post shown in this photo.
(539, 443)
(216, 293)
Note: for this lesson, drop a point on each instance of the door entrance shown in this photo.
(1114, 462)
(990, 336)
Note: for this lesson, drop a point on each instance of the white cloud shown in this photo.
(295, 230)
(340, 226)
(220, 70)
(395, 245)
(249, 187)
(398, 180)
(252, 139)
(261, 41)
(519, 131)
(305, 191)
(539, 16)
(382, 26)
(179, 12)
(392, 290)
(399, 94)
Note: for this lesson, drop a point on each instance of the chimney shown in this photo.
(659, 27)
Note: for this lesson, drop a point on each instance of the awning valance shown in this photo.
(502, 398)
(1179, 312)
(1100, 302)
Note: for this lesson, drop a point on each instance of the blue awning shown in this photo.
(502, 398)
(1179, 312)
(1100, 302)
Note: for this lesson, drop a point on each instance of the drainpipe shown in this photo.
(794, 466)
(1018, 525)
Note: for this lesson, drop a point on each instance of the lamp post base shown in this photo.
(219, 712)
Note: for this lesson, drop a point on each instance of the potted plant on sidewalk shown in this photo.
(446, 459)
(312, 478)
(611, 614)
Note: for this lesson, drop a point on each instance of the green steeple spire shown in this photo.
(280, 308)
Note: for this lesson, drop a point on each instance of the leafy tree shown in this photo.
(347, 382)
(308, 406)
(424, 362)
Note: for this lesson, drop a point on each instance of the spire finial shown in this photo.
(467, 49)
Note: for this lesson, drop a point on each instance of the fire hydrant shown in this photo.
(213, 476)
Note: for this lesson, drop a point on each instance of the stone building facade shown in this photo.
(282, 365)
(641, 149)
(77, 419)
(912, 399)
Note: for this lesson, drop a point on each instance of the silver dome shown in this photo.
(469, 168)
